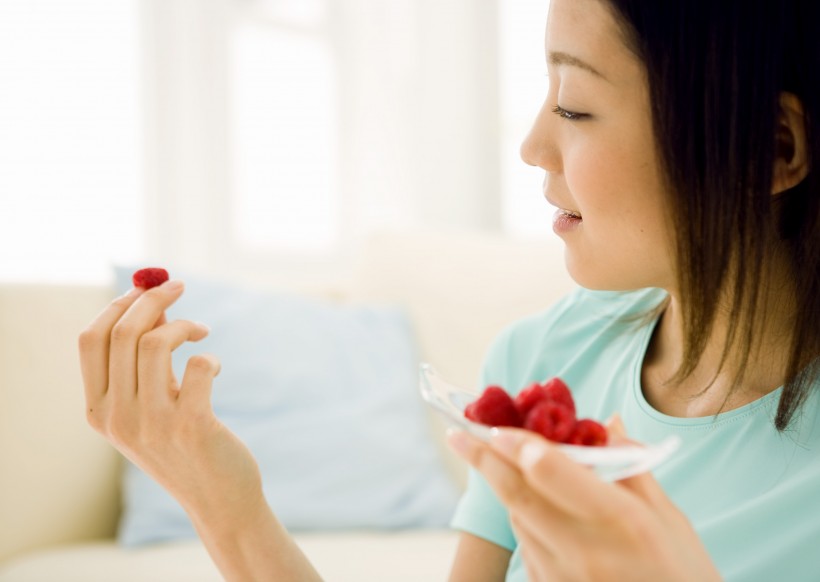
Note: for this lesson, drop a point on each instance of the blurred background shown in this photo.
(246, 136)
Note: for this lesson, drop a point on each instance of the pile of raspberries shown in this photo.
(545, 408)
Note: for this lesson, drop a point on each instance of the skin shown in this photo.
(168, 428)
(572, 526)
(601, 162)
(603, 167)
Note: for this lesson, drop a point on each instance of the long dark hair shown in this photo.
(716, 70)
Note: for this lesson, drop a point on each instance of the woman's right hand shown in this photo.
(165, 427)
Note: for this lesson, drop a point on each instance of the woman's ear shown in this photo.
(791, 162)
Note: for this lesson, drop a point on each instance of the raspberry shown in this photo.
(547, 409)
(589, 433)
(554, 390)
(552, 420)
(149, 277)
(558, 392)
(529, 397)
(494, 408)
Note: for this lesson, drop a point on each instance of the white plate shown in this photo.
(611, 463)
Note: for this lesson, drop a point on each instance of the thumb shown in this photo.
(616, 431)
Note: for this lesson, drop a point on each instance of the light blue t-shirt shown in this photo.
(751, 492)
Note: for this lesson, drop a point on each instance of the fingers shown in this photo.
(197, 383)
(647, 487)
(94, 345)
(615, 426)
(533, 516)
(505, 478)
(161, 321)
(138, 319)
(154, 370)
(616, 432)
(571, 486)
(561, 510)
(539, 561)
(643, 484)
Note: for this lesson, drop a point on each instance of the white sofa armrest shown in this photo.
(58, 479)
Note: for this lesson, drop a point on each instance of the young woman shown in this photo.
(679, 141)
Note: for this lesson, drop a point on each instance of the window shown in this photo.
(70, 189)
(283, 119)
(524, 88)
(284, 131)
(259, 136)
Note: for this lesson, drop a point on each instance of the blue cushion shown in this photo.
(324, 396)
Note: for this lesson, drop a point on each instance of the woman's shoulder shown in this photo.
(573, 323)
(587, 308)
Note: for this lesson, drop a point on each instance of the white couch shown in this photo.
(59, 490)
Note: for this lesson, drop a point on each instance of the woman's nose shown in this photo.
(538, 148)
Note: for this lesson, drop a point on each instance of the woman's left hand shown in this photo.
(571, 525)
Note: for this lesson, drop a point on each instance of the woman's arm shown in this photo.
(168, 429)
(478, 560)
(255, 548)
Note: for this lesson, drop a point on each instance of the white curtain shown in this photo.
(416, 127)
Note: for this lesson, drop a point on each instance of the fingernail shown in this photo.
(616, 425)
(174, 285)
(204, 326)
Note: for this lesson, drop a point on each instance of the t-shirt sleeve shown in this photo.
(561, 339)
(479, 512)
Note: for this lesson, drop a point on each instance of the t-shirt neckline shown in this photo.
(643, 337)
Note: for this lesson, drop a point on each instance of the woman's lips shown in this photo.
(565, 221)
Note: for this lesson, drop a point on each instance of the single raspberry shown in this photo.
(494, 408)
(552, 420)
(529, 397)
(558, 392)
(553, 390)
(589, 433)
(149, 277)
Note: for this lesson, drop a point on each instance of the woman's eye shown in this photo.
(570, 115)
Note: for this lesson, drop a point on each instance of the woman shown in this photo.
(678, 140)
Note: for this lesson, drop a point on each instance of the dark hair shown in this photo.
(716, 70)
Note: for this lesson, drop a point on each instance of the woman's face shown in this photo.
(594, 139)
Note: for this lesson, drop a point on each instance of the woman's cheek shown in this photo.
(610, 249)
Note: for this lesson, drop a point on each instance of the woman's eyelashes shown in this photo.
(570, 115)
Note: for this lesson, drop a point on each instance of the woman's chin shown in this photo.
(598, 276)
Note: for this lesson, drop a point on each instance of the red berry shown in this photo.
(589, 433)
(494, 408)
(553, 390)
(552, 420)
(529, 397)
(149, 277)
(557, 391)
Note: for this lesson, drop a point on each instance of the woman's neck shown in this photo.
(712, 386)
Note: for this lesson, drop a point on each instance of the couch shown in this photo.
(59, 480)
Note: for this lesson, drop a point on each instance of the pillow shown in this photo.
(324, 396)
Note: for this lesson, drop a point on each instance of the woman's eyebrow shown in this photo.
(558, 58)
